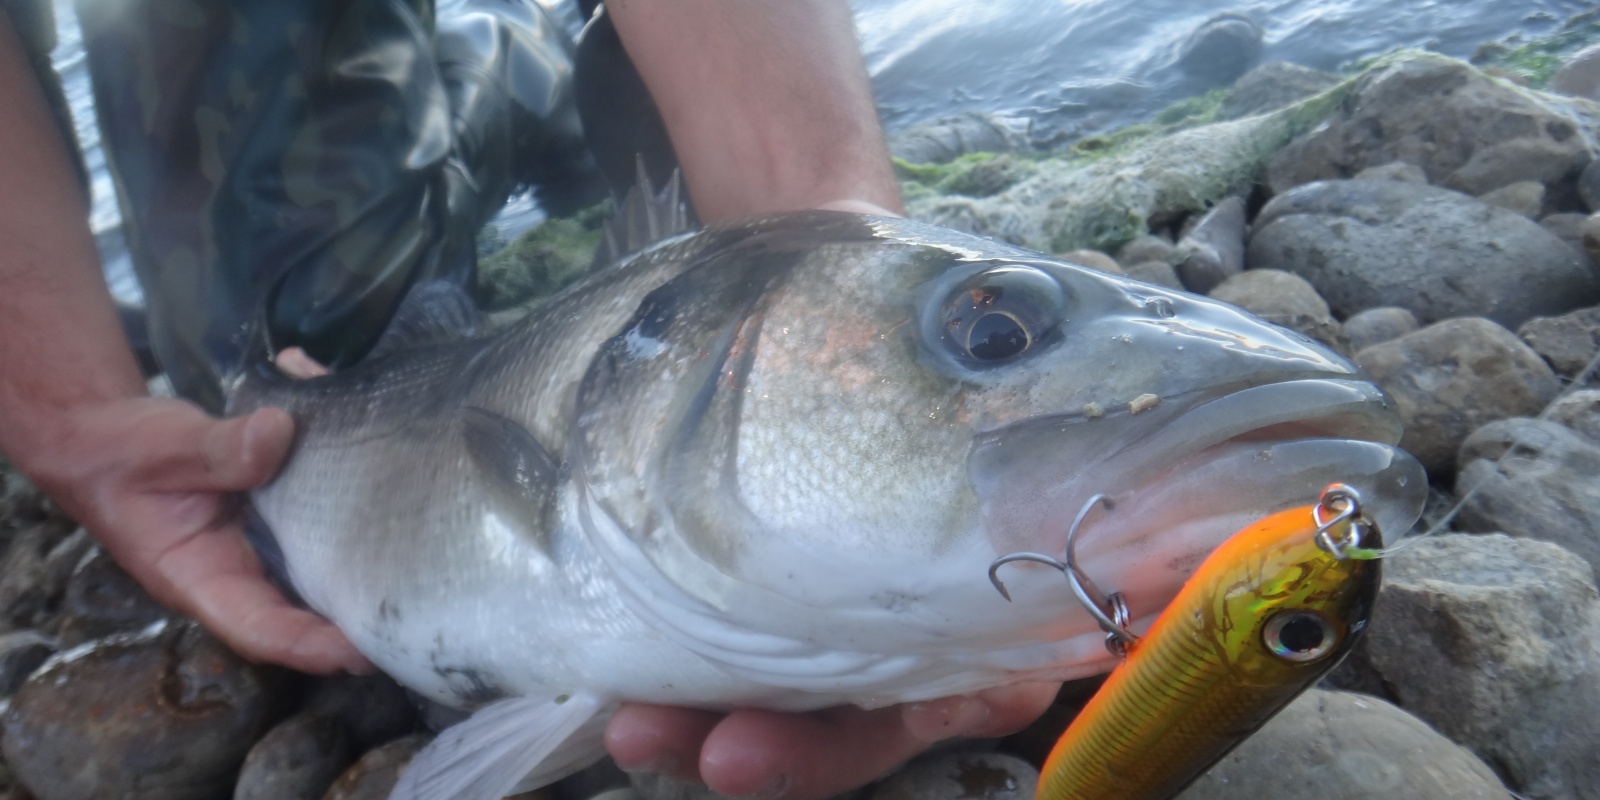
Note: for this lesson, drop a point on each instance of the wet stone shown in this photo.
(1283, 299)
(22, 652)
(1347, 746)
(168, 714)
(1546, 488)
(35, 569)
(1222, 49)
(1452, 377)
(1495, 642)
(1148, 248)
(1214, 251)
(297, 760)
(1579, 76)
(371, 709)
(1570, 342)
(376, 773)
(1159, 273)
(102, 599)
(961, 776)
(1376, 325)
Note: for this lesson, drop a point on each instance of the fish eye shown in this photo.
(999, 314)
(1299, 636)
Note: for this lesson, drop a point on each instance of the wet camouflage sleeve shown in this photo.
(36, 24)
(292, 167)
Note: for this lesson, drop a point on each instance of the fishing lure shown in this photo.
(1269, 612)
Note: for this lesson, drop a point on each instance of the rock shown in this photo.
(1222, 49)
(1438, 253)
(297, 760)
(22, 652)
(1579, 411)
(1589, 186)
(1580, 75)
(1570, 342)
(1347, 746)
(1568, 228)
(942, 140)
(102, 599)
(1523, 197)
(1159, 273)
(168, 714)
(1093, 259)
(1271, 86)
(1394, 171)
(1454, 376)
(375, 774)
(655, 786)
(1283, 299)
(1495, 642)
(596, 779)
(1214, 250)
(1547, 488)
(1376, 325)
(372, 709)
(34, 572)
(1148, 248)
(1465, 130)
(961, 776)
(1591, 238)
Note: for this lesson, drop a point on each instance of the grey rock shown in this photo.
(1375, 325)
(961, 776)
(1568, 227)
(1589, 186)
(1523, 197)
(102, 599)
(34, 572)
(1093, 259)
(654, 786)
(1495, 642)
(1271, 86)
(942, 140)
(1214, 250)
(1222, 49)
(375, 774)
(1570, 342)
(1341, 746)
(1466, 130)
(1439, 253)
(1579, 411)
(1394, 171)
(1591, 238)
(1159, 273)
(22, 652)
(1283, 299)
(1546, 488)
(372, 709)
(591, 781)
(1148, 248)
(1580, 75)
(166, 714)
(1450, 378)
(297, 760)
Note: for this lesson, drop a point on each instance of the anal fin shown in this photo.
(514, 743)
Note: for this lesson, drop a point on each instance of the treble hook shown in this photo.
(1110, 611)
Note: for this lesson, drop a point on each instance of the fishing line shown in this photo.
(1579, 383)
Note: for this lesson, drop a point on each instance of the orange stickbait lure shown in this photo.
(1266, 614)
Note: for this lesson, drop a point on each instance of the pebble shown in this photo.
(961, 775)
(1495, 642)
(1329, 744)
(1285, 299)
(1376, 325)
(102, 599)
(1159, 273)
(1271, 86)
(1394, 171)
(1094, 259)
(167, 714)
(374, 775)
(1148, 247)
(1547, 488)
(1568, 227)
(1580, 75)
(1214, 251)
(1589, 186)
(1570, 342)
(1523, 197)
(1450, 378)
(1579, 411)
(34, 572)
(1438, 253)
(297, 760)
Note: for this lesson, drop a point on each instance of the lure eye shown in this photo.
(1001, 313)
(1299, 636)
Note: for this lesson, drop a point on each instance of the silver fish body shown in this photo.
(769, 464)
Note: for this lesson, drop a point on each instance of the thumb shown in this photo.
(193, 452)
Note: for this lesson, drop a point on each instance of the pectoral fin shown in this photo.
(519, 473)
(522, 742)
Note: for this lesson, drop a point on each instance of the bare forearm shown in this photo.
(60, 343)
(767, 101)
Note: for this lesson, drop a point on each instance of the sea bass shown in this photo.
(769, 463)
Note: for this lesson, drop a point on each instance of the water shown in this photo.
(1073, 66)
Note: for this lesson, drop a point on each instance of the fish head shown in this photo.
(889, 404)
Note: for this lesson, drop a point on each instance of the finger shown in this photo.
(804, 756)
(993, 712)
(660, 739)
(184, 451)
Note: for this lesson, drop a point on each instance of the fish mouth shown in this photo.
(1188, 473)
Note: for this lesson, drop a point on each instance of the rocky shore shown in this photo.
(1432, 219)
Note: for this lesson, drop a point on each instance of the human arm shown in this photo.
(150, 478)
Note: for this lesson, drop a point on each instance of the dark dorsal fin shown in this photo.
(520, 474)
(644, 218)
(433, 313)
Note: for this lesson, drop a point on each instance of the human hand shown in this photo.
(769, 754)
(153, 479)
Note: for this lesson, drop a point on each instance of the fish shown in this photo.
(1264, 617)
(767, 464)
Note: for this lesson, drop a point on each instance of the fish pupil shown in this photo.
(997, 336)
(1301, 634)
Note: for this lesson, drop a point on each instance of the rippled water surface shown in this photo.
(1073, 66)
